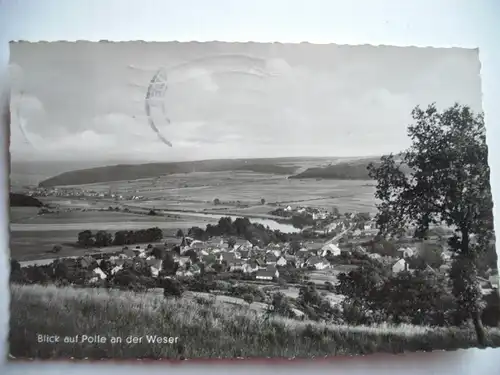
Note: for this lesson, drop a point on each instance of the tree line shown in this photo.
(255, 233)
(102, 238)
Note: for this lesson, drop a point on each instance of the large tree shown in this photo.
(442, 179)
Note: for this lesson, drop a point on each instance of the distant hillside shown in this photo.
(138, 171)
(21, 200)
(353, 170)
(263, 168)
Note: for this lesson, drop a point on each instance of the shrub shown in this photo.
(172, 288)
(248, 298)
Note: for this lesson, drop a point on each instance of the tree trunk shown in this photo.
(478, 326)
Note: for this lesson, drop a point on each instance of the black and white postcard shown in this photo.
(248, 200)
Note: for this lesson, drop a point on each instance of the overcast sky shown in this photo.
(86, 100)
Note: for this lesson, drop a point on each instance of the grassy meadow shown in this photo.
(204, 329)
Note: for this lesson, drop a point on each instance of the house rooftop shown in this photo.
(266, 273)
(345, 267)
(227, 255)
(316, 260)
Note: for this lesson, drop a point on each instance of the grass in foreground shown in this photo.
(204, 330)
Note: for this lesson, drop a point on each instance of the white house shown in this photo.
(237, 265)
(318, 263)
(197, 244)
(183, 260)
(334, 250)
(250, 267)
(399, 266)
(494, 281)
(277, 253)
(183, 273)
(356, 233)
(100, 273)
(116, 269)
(281, 261)
(155, 266)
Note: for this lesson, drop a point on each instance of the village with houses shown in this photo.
(227, 260)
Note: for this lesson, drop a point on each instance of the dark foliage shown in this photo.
(172, 288)
(21, 200)
(448, 183)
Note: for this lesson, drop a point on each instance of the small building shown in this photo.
(494, 281)
(183, 260)
(129, 253)
(86, 261)
(357, 233)
(271, 258)
(281, 261)
(332, 248)
(276, 253)
(237, 265)
(245, 253)
(226, 256)
(195, 269)
(344, 268)
(250, 267)
(243, 244)
(317, 262)
(100, 273)
(196, 244)
(155, 266)
(400, 266)
(267, 274)
(116, 269)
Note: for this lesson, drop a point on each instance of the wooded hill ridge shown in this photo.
(348, 170)
(341, 170)
(123, 172)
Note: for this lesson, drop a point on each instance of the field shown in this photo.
(22, 214)
(33, 237)
(95, 218)
(204, 329)
(198, 190)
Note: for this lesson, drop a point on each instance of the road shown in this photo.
(339, 236)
